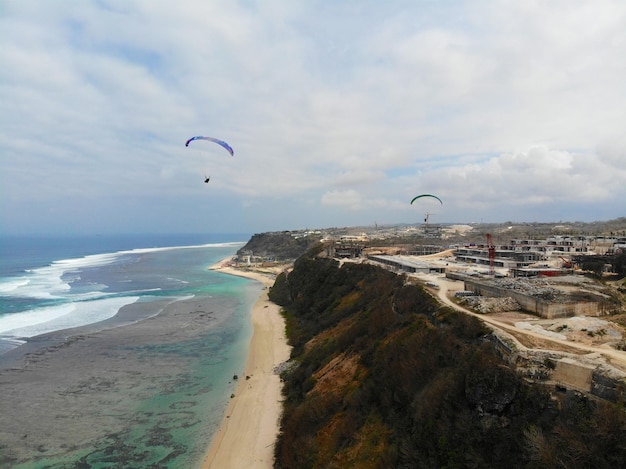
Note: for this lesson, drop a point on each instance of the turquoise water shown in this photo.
(169, 417)
(48, 284)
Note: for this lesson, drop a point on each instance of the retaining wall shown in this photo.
(596, 380)
(573, 374)
(533, 304)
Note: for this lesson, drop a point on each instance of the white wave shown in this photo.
(12, 321)
(173, 279)
(12, 284)
(173, 248)
(92, 260)
(141, 292)
(43, 320)
(53, 281)
(13, 342)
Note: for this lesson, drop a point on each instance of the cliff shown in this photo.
(383, 376)
(281, 246)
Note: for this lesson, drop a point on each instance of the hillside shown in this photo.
(384, 376)
(282, 245)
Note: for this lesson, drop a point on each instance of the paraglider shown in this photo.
(427, 215)
(214, 140)
(222, 143)
(426, 195)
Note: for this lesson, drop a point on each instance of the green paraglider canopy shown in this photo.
(426, 195)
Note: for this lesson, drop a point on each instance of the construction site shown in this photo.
(550, 318)
(556, 316)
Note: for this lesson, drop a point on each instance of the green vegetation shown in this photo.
(619, 264)
(388, 378)
(283, 245)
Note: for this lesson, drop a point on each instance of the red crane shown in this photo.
(492, 254)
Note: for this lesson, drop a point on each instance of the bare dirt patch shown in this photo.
(581, 329)
(337, 374)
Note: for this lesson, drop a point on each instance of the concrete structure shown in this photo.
(573, 374)
(505, 258)
(567, 373)
(520, 254)
(345, 250)
(539, 271)
(406, 264)
(424, 250)
(543, 307)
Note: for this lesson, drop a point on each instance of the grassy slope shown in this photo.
(388, 378)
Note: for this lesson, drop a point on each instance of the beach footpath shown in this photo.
(251, 423)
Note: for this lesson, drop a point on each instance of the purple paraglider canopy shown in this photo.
(214, 140)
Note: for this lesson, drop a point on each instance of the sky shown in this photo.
(339, 113)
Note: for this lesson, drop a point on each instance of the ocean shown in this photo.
(49, 285)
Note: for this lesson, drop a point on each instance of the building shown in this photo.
(406, 264)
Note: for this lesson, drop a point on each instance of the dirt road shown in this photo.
(526, 339)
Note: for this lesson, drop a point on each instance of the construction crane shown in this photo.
(492, 255)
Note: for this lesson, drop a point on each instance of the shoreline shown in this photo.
(89, 362)
(72, 379)
(249, 428)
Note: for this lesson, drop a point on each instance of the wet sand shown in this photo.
(250, 426)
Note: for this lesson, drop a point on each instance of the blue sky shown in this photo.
(339, 113)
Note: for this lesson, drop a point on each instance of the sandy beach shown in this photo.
(250, 425)
(73, 395)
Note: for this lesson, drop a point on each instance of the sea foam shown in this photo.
(42, 320)
(52, 281)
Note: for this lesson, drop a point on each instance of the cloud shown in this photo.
(529, 178)
(499, 107)
(348, 198)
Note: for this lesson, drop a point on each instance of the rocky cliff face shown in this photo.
(278, 246)
(385, 377)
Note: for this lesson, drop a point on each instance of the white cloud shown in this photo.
(499, 106)
(349, 198)
(530, 178)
